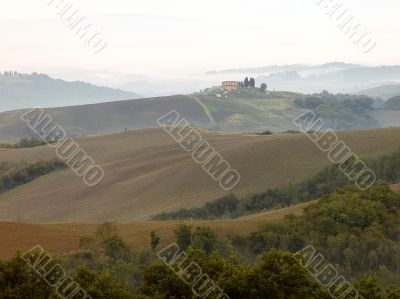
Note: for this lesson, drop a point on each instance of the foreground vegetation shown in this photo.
(386, 168)
(355, 231)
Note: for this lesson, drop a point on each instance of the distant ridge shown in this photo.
(18, 91)
(336, 77)
(288, 67)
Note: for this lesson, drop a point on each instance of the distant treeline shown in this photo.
(386, 168)
(20, 175)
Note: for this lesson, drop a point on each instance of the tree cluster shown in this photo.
(340, 111)
(249, 83)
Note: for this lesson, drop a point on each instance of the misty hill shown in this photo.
(19, 91)
(337, 77)
(385, 92)
(332, 66)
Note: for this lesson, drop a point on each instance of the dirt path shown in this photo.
(205, 109)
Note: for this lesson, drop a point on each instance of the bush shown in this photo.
(266, 133)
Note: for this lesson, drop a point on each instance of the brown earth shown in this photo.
(147, 172)
(64, 238)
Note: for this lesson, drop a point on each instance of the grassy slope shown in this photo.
(244, 110)
(251, 110)
(148, 173)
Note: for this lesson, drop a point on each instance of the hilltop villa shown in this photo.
(230, 85)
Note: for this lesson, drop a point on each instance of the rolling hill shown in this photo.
(103, 118)
(147, 173)
(244, 110)
(256, 112)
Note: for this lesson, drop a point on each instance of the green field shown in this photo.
(253, 114)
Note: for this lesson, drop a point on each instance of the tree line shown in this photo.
(24, 143)
(340, 111)
(251, 83)
(25, 173)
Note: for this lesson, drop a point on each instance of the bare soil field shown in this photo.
(147, 172)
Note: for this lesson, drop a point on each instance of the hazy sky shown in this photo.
(172, 38)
